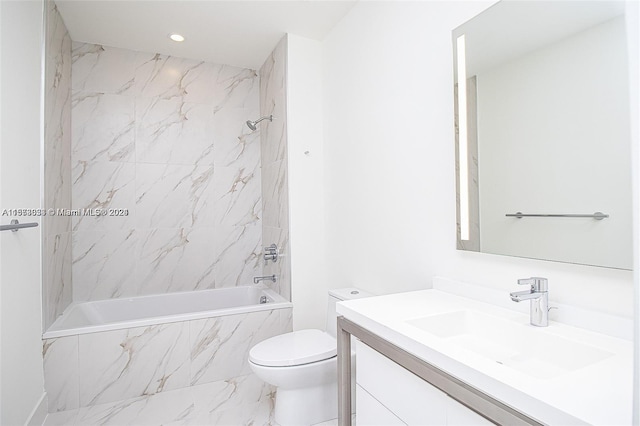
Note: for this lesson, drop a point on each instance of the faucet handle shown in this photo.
(538, 284)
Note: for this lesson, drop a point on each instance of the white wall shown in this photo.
(389, 163)
(632, 13)
(21, 380)
(306, 196)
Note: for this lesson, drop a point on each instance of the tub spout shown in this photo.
(272, 278)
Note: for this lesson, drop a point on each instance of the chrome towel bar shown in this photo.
(596, 215)
(14, 226)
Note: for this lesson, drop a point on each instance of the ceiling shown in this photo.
(233, 32)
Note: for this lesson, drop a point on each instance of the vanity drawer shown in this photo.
(413, 400)
(460, 415)
(371, 412)
(410, 398)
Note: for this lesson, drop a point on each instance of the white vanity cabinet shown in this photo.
(432, 357)
(388, 394)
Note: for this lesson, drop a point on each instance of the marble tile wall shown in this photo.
(102, 368)
(275, 192)
(56, 247)
(165, 139)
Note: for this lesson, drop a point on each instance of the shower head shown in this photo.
(252, 124)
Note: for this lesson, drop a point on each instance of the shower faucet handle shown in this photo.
(271, 253)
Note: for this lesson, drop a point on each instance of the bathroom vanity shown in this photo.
(434, 357)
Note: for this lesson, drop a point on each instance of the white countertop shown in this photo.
(599, 394)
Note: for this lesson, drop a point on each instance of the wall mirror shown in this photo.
(543, 157)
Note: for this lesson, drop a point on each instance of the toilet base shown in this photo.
(306, 406)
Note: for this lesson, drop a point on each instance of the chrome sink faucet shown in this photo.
(538, 295)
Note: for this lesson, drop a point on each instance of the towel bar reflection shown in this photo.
(14, 226)
(596, 215)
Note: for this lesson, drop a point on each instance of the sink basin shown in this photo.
(522, 347)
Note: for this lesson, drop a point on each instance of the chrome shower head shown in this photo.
(252, 124)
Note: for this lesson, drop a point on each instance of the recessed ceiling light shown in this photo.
(176, 37)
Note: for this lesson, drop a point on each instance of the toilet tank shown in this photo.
(339, 295)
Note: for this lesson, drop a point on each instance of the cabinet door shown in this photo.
(406, 395)
(460, 415)
(370, 412)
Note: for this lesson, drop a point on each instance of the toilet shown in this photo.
(303, 366)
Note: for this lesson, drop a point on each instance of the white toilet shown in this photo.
(303, 366)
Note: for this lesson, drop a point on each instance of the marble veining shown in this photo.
(220, 345)
(175, 259)
(164, 138)
(275, 195)
(57, 286)
(120, 364)
(107, 372)
(172, 196)
(103, 185)
(103, 127)
(273, 140)
(281, 268)
(166, 77)
(273, 102)
(235, 392)
(103, 69)
(235, 88)
(235, 144)
(243, 400)
(60, 357)
(174, 132)
(238, 252)
(58, 271)
(237, 196)
(102, 263)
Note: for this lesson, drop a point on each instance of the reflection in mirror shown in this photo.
(542, 128)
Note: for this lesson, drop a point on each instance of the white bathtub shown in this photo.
(115, 314)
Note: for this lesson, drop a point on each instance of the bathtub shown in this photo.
(116, 314)
(111, 351)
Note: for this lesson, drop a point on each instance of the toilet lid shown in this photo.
(296, 348)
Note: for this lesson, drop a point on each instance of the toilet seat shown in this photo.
(295, 348)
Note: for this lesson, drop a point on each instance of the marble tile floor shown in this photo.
(241, 401)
